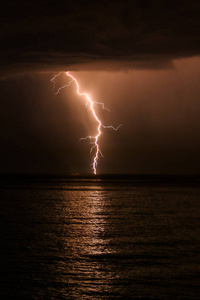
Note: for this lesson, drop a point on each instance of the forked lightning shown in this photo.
(90, 102)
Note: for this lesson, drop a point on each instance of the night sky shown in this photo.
(141, 58)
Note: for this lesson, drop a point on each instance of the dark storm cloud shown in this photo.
(49, 35)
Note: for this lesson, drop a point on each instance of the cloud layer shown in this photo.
(52, 35)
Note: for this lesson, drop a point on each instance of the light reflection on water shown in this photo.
(94, 240)
(88, 241)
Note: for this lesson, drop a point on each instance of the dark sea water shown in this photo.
(114, 237)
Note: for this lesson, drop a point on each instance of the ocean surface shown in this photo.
(103, 237)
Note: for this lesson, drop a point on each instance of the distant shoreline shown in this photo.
(135, 178)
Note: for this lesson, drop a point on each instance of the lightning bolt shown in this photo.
(90, 102)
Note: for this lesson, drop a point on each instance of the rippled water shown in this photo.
(99, 239)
